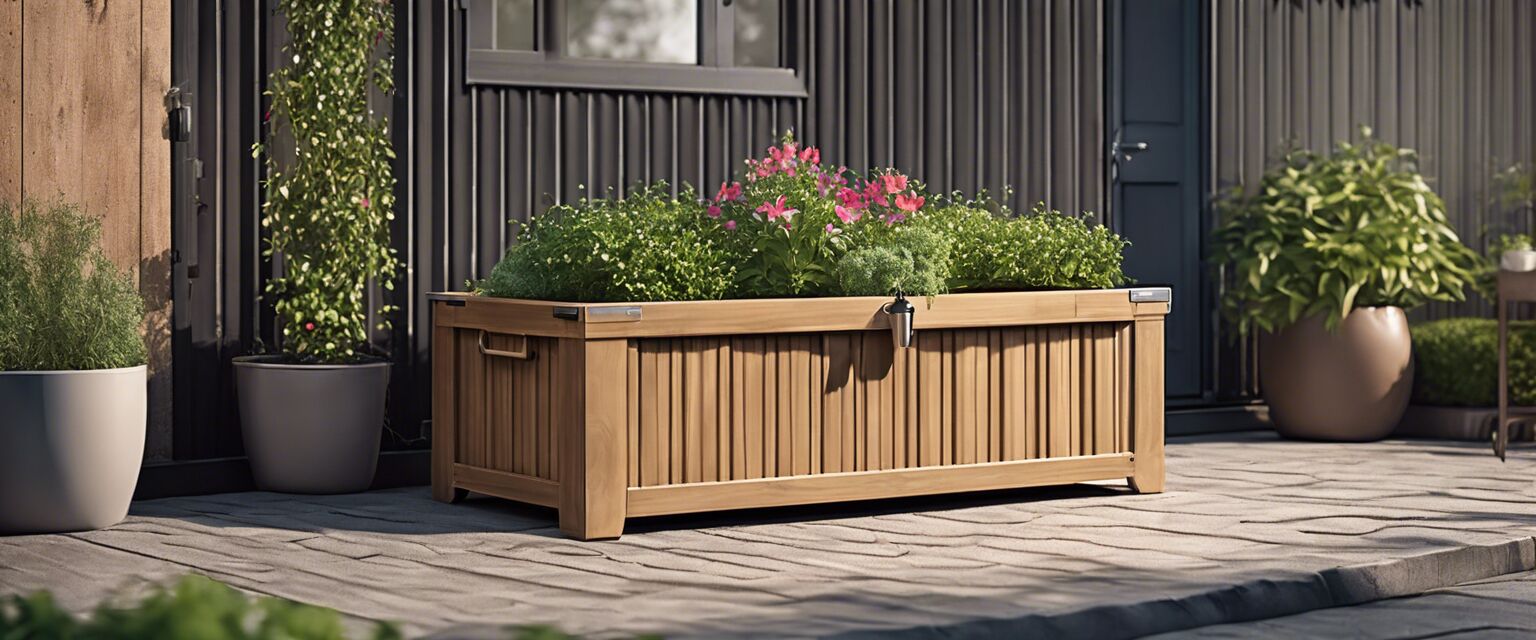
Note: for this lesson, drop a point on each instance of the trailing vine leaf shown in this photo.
(330, 186)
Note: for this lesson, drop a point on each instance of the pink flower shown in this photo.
(730, 225)
(728, 192)
(811, 155)
(714, 211)
(894, 218)
(894, 183)
(765, 169)
(873, 193)
(823, 184)
(365, 202)
(909, 203)
(777, 210)
(830, 228)
(847, 214)
(851, 199)
(309, 326)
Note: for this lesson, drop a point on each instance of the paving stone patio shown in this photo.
(1252, 527)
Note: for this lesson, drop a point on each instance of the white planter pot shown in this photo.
(1518, 260)
(71, 443)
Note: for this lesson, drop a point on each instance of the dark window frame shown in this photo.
(715, 72)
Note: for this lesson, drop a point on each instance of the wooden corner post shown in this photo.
(1147, 414)
(593, 471)
(444, 443)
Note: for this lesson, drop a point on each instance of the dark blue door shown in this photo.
(1154, 131)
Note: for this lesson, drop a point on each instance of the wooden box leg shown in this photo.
(593, 473)
(1147, 415)
(444, 353)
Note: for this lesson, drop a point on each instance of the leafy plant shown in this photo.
(795, 218)
(330, 199)
(63, 304)
(198, 608)
(912, 262)
(796, 227)
(195, 607)
(1458, 362)
(1042, 250)
(647, 247)
(1325, 234)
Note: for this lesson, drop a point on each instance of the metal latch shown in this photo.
(178, 114)
(1153, 294)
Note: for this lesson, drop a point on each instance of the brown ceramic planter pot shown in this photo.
(1349, 385)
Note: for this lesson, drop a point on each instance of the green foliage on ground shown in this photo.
(1457, 362)
(647, 247)
(198, 608)
(1323, 234)
(195, 608)
(63, 304)
(330, 188)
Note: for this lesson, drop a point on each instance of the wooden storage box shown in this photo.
(606, 411)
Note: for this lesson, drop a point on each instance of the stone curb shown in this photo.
(1253, 600)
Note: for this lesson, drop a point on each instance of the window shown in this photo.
(690, 46)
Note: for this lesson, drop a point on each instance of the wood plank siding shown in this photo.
(81, 118)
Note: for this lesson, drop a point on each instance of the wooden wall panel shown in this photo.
(732, 408)
(10, 99)
(82, 118)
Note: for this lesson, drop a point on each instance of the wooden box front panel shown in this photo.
(508, 408)
(740, 407)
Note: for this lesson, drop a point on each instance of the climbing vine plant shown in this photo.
(329, 186)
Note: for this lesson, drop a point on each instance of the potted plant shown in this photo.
(312, 415)
(658, 354)
(72, 373)
(1323, 258)
(1515, 253)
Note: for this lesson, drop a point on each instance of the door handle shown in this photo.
(1123, 150)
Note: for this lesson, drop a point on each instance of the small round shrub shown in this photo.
(1457, 362)
(63, 304)
(911, 262)
(1044, 249)
(647, 247)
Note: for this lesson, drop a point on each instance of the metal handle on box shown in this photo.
(521, 354)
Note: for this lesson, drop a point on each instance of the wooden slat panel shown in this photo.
(866, 485)
(747, 407)
(502, 484)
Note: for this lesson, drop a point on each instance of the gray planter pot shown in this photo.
(311, 428)
(71, 443)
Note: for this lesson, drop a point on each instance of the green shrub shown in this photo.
(195, 608)
(1323, 234)
(912, 262)
(646, 247)
(198, 608)
(1042, 250)
(63, 304)
(330, 198)
(1457, 362)
(795, 227)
